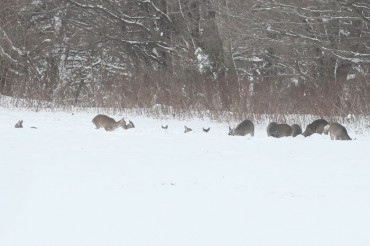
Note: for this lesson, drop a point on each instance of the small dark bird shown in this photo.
(206, 130)
(187, 129)
(165, 127)
(19, 124)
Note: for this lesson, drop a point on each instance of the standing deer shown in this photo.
(318, 126)
(244, 128)
(338, 132)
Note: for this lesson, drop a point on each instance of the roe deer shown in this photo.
(280, 130)
(338, 132)
(244, 128)
(318, 126)
(297, 130)
(19, 124)
(270, 127)
(108, 123)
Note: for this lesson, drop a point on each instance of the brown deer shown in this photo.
(110, 124)
(244, 128)
(280, 130)
(338, 132)
(270, 127)
(318, 126)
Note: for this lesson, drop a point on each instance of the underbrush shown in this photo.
(162, 96)
(357, 122)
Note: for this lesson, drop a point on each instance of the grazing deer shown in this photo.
(206, 129)
(280, 130)
(297, 130)
(244, 128)
(338, 132)
(187, 129)
(270, 127)
(165, 127)
(19, 124)
(318, 126)
(108, 123)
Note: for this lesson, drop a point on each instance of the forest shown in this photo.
(241, 56)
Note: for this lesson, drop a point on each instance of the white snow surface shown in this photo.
(69, 184)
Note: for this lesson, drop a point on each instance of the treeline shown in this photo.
(244, 56)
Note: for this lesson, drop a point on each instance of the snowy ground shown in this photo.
(66, 183)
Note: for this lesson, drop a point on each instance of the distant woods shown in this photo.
(244, 56)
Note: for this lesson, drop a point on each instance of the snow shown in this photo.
(351, 76)
(203, 61)
(66, 183)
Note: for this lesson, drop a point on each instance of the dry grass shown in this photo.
(163, 95)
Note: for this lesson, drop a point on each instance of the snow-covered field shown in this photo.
(68, 184)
